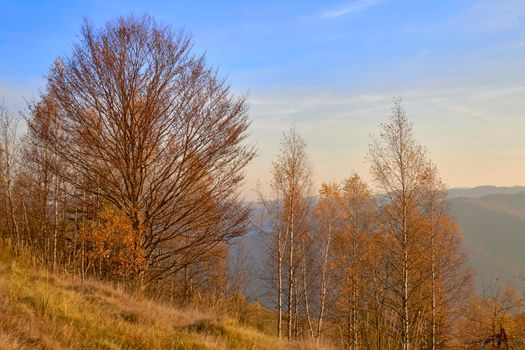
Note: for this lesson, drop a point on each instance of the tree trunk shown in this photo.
(433, 282)
(324, 282)
(55, 223)
(279, 283)
(305, 292)
(291, 266)
(405, 332)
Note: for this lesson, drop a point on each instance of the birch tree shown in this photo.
(288, 210)
(397, 163)
(327, 224)
(9, 164)
(358, 214)
(449, 276)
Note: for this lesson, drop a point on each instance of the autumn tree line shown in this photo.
(130, 170)
(380, 269)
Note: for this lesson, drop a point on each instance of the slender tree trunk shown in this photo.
(404, 218)
(26, 219)
(406, 325)
(12, 211)
(75, 237)
(305, 292)
(291, 265)
(9, 141)
(187, 292)
(55, 223)
(324, 282)
(354, 315)
(296, 309)
(433, 286)
(354, 263)
(279, 283)
(9, 175)
(83, 259)
(82, 243)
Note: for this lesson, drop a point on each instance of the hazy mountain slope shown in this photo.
(493, 228)
(492, 220)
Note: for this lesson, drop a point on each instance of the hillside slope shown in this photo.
(493, 228)
(39, 310)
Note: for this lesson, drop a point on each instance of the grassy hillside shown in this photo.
(44, 311)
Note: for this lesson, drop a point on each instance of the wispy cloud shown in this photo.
(498, 15)
(351, 7)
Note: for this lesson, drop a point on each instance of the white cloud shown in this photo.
(352, 7)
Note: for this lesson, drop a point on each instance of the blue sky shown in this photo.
(332, 67)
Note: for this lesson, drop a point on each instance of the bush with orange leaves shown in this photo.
(112, 245)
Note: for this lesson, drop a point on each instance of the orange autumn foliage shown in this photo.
(113, 244)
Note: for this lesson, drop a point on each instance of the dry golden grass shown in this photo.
(39, 310)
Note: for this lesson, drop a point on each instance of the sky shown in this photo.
(331, 68)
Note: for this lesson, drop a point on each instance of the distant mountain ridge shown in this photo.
(480, 191)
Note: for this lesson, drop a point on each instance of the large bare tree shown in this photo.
(147, 126)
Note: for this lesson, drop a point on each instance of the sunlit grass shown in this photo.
(45, 311)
